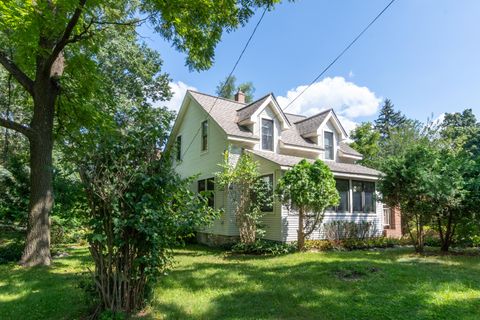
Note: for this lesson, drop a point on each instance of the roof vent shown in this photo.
(240, 96)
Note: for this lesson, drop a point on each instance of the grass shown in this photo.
(391, 284)
(207, 284)
(43, 292)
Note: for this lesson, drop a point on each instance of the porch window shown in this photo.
(269, 180)
(343, 188)
(267, 134)
(328, 145)
(363, 196)
(206, 187)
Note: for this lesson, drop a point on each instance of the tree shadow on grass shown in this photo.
(317, 289)
(44, 292)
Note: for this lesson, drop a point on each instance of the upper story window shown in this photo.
(363, 194)
(179, 148)
(206, 187)
(328, 145)
(267, 134)
(204, 135)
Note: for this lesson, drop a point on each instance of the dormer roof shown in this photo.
(248, 114)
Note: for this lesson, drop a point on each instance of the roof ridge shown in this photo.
(248, 105)
(217, 97)
(295, 114)
(315, 115)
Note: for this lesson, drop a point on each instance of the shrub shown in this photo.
(339, 229)
(262, 247)
(355, 244)
(322, 245)
(11, 252)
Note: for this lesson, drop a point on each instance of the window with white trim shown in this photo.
(363, 193)
(268, 178)
(206, 187)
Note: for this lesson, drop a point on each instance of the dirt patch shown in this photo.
(354, 274)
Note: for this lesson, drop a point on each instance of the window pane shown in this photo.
(267, 134)
(201, 185)
(269, 180)
(328, 144)
(369, 191)
(179, 148)
(210, 184)
(204, 135)
(357, 196)
(343, 187)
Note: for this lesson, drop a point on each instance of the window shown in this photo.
(269, 180)
(328, 144)
(343, 188)
(363, 196)
(204, 135)
(206, 187)
(179, 148)
(267, 134)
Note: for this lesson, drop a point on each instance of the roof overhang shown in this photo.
(336, 123)
(349, 156)
(285, 124)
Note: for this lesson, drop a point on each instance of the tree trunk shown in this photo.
(300, 232)
(37, 245)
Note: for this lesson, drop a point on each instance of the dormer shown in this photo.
(326, 131)
(266, 120)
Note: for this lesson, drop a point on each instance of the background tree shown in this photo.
(228, 88)
(248, 192)
(388, 119)
(309, 189)
(366, 141)
(50, 50)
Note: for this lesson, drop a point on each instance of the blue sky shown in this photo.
(423, 55)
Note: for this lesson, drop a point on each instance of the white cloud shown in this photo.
(351, 74)
(179, 89)
(349, 100)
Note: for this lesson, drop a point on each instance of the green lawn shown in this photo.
(206, 284)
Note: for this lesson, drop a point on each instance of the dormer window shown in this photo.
(267, 134)
(328, 145)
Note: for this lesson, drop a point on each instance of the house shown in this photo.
(206, 126)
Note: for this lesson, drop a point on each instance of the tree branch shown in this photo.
(23, 129)
(15, 71)
(66, 34)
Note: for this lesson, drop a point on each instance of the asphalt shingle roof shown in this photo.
(345, 148)
(289, 161)
(311, 124)
(247, 111)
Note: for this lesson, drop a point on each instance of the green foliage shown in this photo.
(341, 229)
(14, 176)
(138, 205)
(248, 192)
(356, 244)
(309, 189)
(228, 87)
(366, 140)
(263, 247)
(388, 119)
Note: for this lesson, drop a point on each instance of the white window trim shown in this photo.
(201, 136)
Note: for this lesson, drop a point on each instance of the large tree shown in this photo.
(50, 49)
(388, 119)
(366, 140)
(228, 87)
(308, 188)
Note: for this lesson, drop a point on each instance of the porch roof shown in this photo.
(336, 167)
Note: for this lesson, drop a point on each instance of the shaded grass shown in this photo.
(45, 292)
(207, 284)
(391, 284)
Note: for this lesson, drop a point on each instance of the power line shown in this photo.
(229, 76)
(341, 54)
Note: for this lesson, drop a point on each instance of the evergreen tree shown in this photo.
(388, 119)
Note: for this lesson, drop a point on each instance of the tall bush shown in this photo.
(137, 205)
(248, 192)
(308, 189)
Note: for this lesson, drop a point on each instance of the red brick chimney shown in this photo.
(240, 97)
